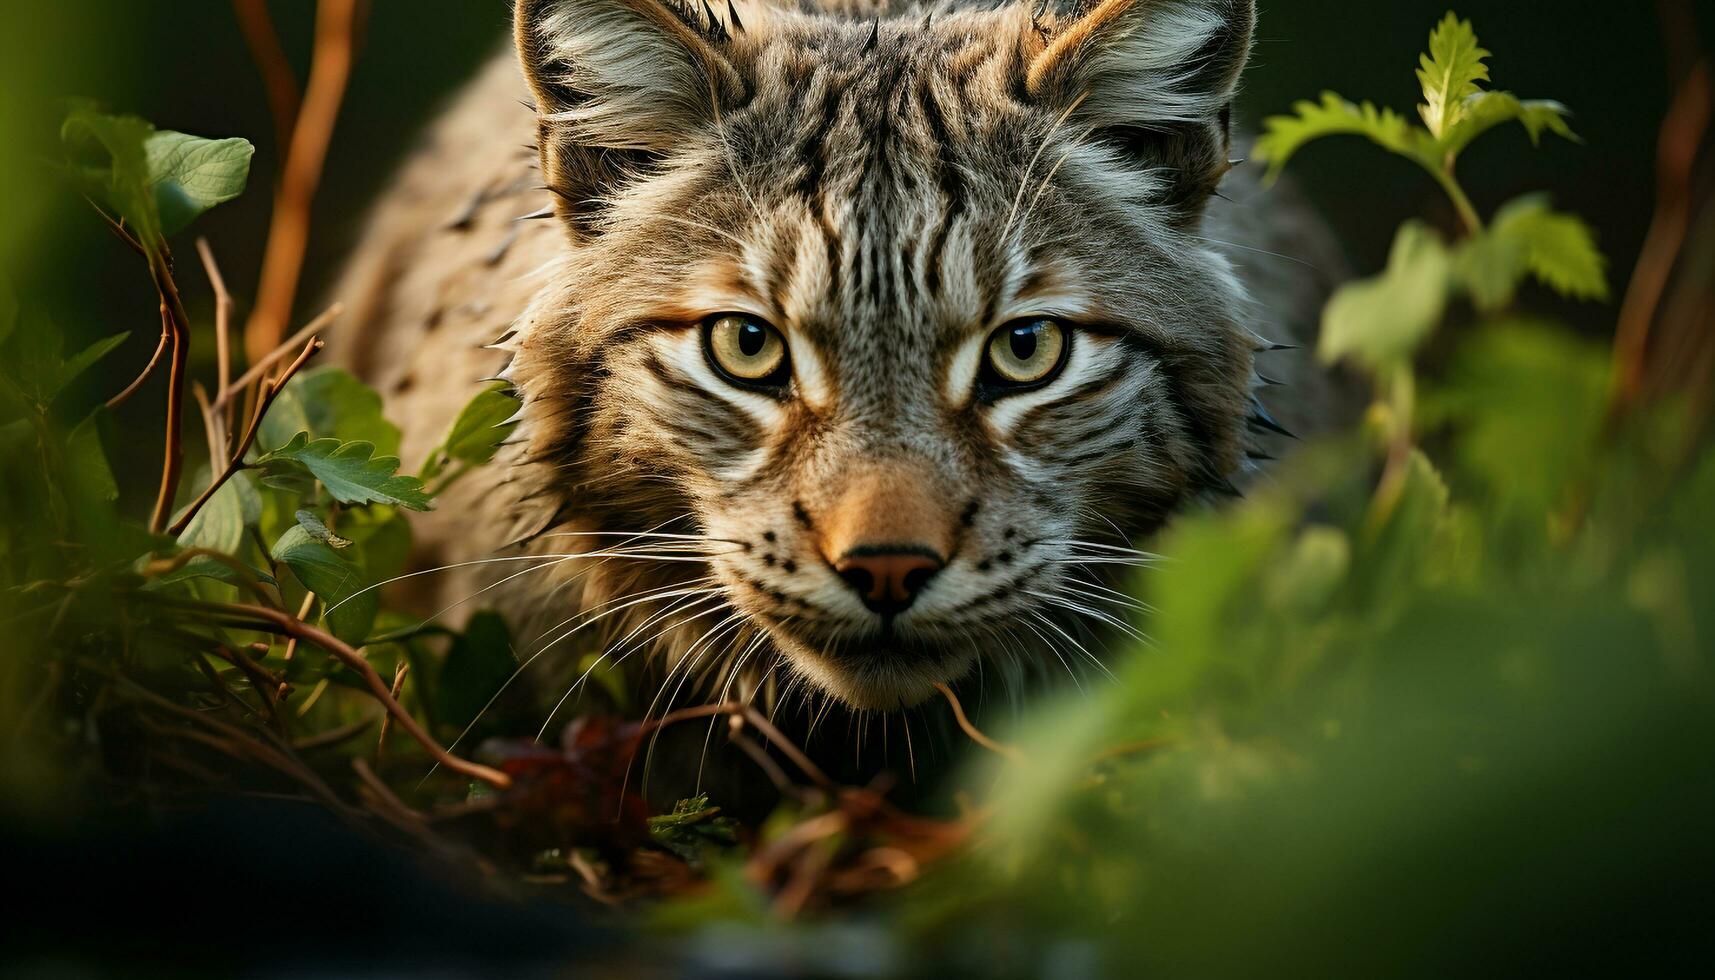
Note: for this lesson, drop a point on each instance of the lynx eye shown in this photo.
(1026, 353)
(745, 350)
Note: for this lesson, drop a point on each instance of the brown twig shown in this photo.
(289, 625)
(154, 359)
(399, 673)
(288, 232)
(268, 754)
(245, 380)
(1682, 138)
(292, 646)
(211, 430)
(160, 267)
(222, 321)
(236, 461)
(975, 733)
(278, 78)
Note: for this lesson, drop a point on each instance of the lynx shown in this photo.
(857, 345)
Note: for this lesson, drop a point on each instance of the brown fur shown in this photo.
(884, 193)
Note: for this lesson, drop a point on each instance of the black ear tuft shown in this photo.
(617, 83)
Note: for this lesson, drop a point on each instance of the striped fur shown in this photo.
(886, 188)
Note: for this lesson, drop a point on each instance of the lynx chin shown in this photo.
(857, 343)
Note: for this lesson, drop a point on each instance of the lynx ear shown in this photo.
(617, 81)
(1157, 76)
(1137, 61)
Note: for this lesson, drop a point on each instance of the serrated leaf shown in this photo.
(189, 174)
(316, 529)
(333, 577)
(1449, 73)
(329, 403)
(1381, 321)
(352, 472)
(1559, 249)
(1486, 110)
(1284, 136)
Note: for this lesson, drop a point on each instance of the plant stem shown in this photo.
(1461, 203)
(236, 462)
(289, 625)
(161, 269)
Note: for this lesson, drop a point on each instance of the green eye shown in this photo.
(746, 350)
(1026, 352)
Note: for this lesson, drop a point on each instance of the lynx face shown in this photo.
(907, 319)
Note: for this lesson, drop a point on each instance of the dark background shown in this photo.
(184, 66)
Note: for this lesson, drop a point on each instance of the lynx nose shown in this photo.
(888, 578)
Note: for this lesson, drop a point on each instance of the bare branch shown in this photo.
(289, 231)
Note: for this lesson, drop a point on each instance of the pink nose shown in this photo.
(888, 577)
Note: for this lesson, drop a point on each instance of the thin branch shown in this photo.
(289, 625)
(398, 686)
(117, 227)
(160, 267)
(975, 733)
(288, 232)
(212, 433)
(1682, 137)
(292, 647)
(245, 380)
(236, 461)
(222, 315)
(149, 368)
(278, 78)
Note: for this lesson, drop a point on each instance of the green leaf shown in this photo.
(693, 828)
(480, 662)
(87, 473)
(333, 577)
(352, 472)
(478, 431)
(316, 529)
(190, 175)
(1449, 73)
(329, 403)
(204, 567)
(36, 361)
(219, 525)
(1381, 321)
(380, 538)
(1490, 266)
(159, 181)
(1284, 136)
(121, 181)
(1559, 249)
(1529, 400)
(84, 359)
(1486, 110)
